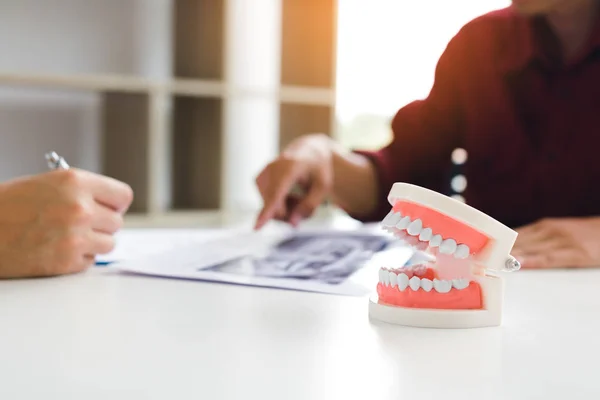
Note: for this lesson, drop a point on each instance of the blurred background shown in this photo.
(187, 100)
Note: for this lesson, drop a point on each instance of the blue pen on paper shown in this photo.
(57, 162)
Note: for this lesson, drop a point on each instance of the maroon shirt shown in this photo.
(531, 126)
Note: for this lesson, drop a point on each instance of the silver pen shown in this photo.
(55, 161)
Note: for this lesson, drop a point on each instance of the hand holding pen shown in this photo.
(58, 222)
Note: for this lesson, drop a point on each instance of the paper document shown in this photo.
(320, 261)
(135, 243)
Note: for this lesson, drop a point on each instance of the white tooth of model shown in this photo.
(415, 227)
(393, 279)
(415, 283)
(442, 286)
(403, 223)
(460, 284)
(426, 284)
(402, 281)
(425, 235)
(462, 251)
(435, 241)
(391, 219)
(387, 218)
(448, 246)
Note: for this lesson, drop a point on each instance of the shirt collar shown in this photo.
(517, 49)
(532, 41)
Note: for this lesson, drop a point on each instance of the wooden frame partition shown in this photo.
(166, 136)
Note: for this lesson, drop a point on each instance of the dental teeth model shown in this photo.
(458, 288)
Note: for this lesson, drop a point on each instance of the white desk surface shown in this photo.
(103, 335)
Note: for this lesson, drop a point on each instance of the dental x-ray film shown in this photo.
(328, 257)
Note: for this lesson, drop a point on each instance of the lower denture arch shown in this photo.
(466, 296)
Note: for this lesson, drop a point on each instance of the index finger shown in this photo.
(110, 192)
(275, 195)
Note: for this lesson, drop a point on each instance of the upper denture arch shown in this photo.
(440, 224)
(447, 220)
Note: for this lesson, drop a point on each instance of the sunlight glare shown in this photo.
(388, 50)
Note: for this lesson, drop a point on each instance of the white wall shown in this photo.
(32, 123)
(71, 37)
(251, 134)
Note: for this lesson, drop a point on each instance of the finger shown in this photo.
(317, 192)
(531, 235)
(105, 220)
(111, 193)
(277, 187)
(540, 246)
(274, 204)
(99, 243)
(263, 217)
(283, 213)
(291, 202)
(309, 203)
(261, 183)
(561, 258)
(280, 214)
